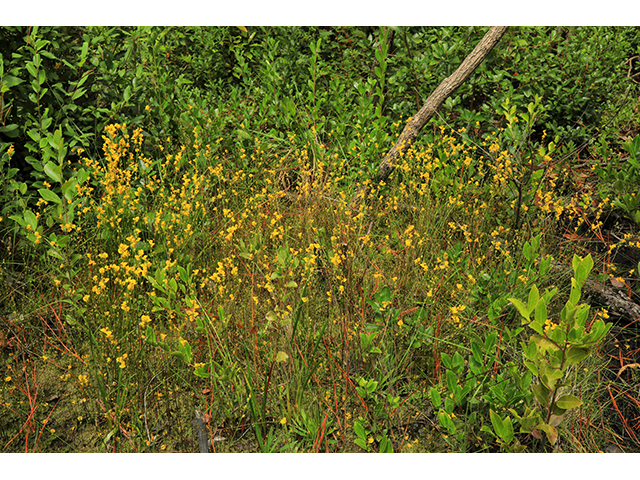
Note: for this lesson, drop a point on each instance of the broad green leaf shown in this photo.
(445, 421)
(385, 295)
(508, 430)
(10, 130)
(545, 265)
(70, 189)
(385, 445)
(588, 264)
(185, 350)
(574, 298)
(542, 394)
(569, 401)
(555, 420)
(541, 311)
(527, 251)
(524, 311)
(568, 312)
(53, 171)
(46, 122)
(31, 68)
(457, 362)
(452, 381)
(53, 252)
(49, 196)
(78, 93)
(532, 368)
(552, 433)
(183, 274)
(201, 371)
(549, 295)
(489, 343)
(30, 219)
(575, 262)
(57, 141)
(528, 423)
(283, 255)
(477, 351)
(503, 428)
(449, 405)
(583, 314)
(446, 361)
(576, 354)
(530, 349)
(557, 410)
(535, 241)
(496, 421)
(582, 267)
(436, 398)
(180, 355)
(10, 81)
(487, 428)
(534, 295)
(544, 343)
(362, 443)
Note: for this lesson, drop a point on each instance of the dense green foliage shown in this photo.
(175, 222)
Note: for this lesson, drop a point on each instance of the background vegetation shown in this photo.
(177, 234)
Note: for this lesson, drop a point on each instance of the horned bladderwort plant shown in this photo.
(555, 346)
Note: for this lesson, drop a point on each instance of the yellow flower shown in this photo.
(283, 421)
(108, 333)
(145, 320)
(121, 360)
